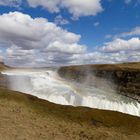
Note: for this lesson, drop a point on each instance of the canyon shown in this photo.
(123, 78)
(75, 102)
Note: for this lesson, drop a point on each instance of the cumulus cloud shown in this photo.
(16, 56)
(37, 42)
(11, 3)
(22, 29)
(77, 8)
(25, 37)
(106, 58)
(119, 51)
(59, 20)
(119, 45)
(134, 32)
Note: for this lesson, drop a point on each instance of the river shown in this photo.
(48, 85)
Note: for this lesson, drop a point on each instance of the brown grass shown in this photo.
(24, 117)
(123, 66)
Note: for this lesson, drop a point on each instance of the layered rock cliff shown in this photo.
(124, 78)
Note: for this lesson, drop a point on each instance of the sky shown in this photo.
(69, 32)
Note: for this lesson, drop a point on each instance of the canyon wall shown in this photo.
(3, 80)
(124, 78)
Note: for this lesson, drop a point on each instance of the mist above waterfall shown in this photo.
(48, 85)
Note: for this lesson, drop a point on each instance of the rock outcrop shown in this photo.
(3, 81)
(125, 78)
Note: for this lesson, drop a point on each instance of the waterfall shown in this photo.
(46, 84)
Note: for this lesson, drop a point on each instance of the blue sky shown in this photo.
(113, 20)
(116, 18)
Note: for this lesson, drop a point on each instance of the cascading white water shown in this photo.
(46, 84)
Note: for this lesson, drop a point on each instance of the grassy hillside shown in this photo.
(123, 66)
(27, 118)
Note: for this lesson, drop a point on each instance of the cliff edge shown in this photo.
(3, 82)
(124, 78)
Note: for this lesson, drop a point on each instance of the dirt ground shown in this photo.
(24, 117)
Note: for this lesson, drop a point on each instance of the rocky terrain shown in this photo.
(124, 78)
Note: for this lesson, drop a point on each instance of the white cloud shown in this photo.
(21, 29)
(36, 42)
(11, 3)
(134, 32)
(50, 5)
(65, 48)
(1, 56)
(83, 8)
(108, 36)
(96, 24)
(106, 58)
(119, 45)
(59, 20)
(127, 1)
(26, 37)
(16, 56)
(77, 8)
(118, 51)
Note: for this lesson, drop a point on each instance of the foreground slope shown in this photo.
(27, 117)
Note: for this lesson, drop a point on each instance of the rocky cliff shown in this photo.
(124, 78)
(3, 81)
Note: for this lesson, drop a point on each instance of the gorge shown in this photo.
(76, 87)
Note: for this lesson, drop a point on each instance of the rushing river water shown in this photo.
(46, 84)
